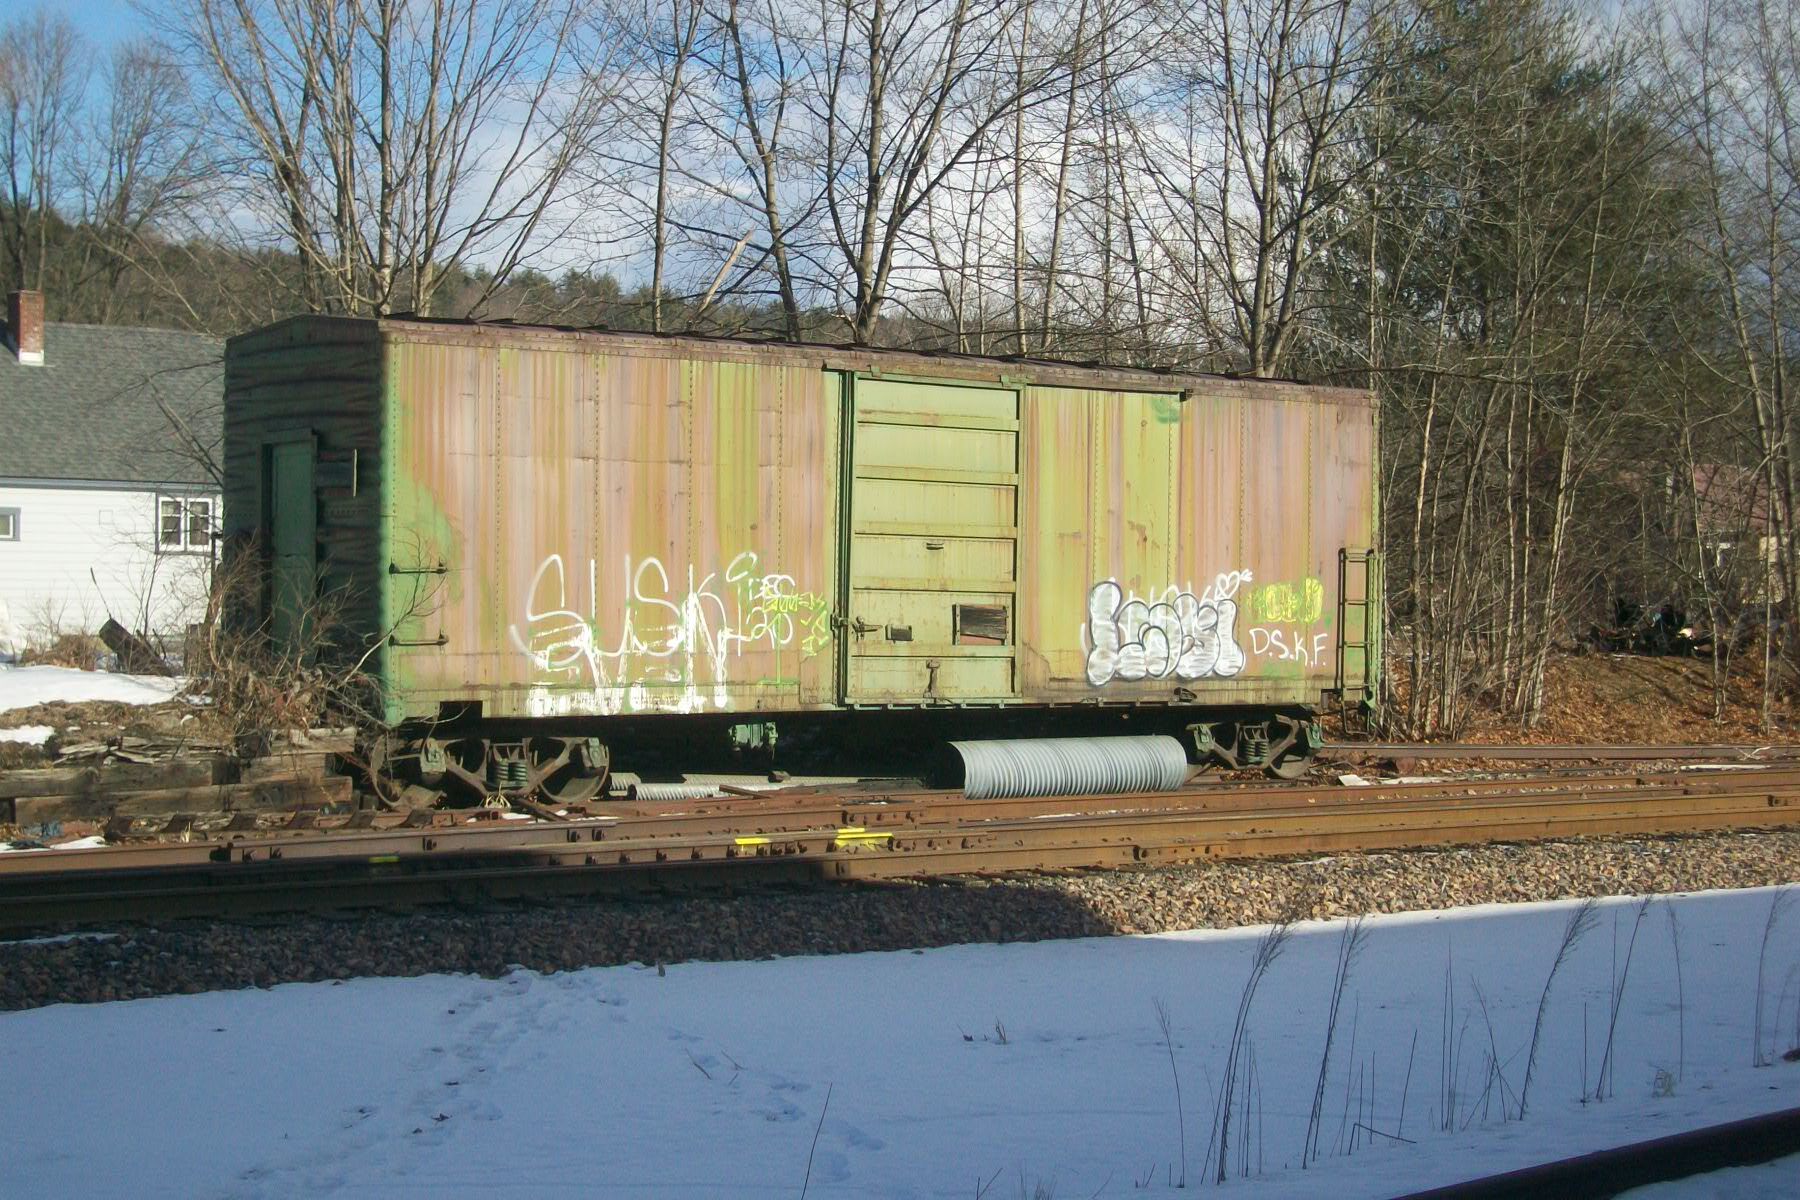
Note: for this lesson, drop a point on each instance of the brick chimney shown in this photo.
(25, 326)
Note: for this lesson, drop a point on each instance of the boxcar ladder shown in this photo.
(1355, 674)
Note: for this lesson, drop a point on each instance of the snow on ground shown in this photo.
(1019, 1067)
(22, 687)
(1778, 1180)
(31, 735)
(91, 842)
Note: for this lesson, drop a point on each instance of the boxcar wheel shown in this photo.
(1292, 765)
(576, 781)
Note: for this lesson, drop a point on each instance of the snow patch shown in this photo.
(23, 687)
(438, 1085)
(93, 842)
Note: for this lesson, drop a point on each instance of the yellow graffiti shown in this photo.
(810, 611)
(770, 605)
(1284, 603)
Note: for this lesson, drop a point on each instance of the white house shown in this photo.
(109, 486)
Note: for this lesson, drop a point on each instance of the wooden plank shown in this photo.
(287, 764)
(232, 797)
(135, 654)
(337, 741)
(118, 777)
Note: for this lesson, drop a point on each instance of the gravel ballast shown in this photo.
(197, 956)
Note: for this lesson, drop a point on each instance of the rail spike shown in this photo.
(1071, 766)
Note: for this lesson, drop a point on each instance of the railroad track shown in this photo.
(1744, 1143)
(1591, 752)
(885, 801)
(827, 834)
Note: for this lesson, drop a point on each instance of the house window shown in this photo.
(9, 524)
(183, 525)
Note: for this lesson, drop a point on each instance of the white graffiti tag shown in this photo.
(668, 640)
(1177, 634)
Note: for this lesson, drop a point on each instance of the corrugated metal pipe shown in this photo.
(652, 792)
(1071, 766)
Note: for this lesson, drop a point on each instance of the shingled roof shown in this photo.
(113, 405)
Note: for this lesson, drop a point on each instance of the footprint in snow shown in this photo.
(479, 1041)
(781, 1112)
(830, 1167)
(357, 1116)
(853, 1137)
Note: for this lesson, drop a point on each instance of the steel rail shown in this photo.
(76, 885)
(899, 810)
(1598, 752)
(818, 853)
(800, 806)
(273, 884)
(1609, 1172)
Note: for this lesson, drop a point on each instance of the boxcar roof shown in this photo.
(864, 359)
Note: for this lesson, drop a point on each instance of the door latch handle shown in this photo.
(859, 627)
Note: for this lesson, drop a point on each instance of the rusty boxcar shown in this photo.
(547, 536)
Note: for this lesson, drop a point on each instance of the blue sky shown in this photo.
(105, 21)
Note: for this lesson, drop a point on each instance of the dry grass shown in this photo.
(79, 650)
(1629, 699)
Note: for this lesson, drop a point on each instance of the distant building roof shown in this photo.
(1732, 499)
(115, 405)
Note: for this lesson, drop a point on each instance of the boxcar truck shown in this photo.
(550, 550)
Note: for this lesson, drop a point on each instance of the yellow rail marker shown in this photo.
(854, 834)
(384, 858)
(750, 841)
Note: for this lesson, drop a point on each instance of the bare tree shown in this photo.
(904, 93)
(758, 75)
(675, 54)
(660, 148)
(1276, 89)
(42, 77)
(1731, 72)
(139, 172)
(387, 143)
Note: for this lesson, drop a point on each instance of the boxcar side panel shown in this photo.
(1183, 547)
(619, 533)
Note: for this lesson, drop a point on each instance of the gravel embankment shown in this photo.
(203, 956)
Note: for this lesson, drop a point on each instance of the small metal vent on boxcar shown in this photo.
(979, 624)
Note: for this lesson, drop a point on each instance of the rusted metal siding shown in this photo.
(569, 523)
(313, 381)
(620, 533)
(1183, 546)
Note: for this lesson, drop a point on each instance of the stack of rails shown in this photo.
(830, 836)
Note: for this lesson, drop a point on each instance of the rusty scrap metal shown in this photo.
(952, 835)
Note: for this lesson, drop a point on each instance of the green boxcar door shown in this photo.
(933, 580)
(293, 542)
